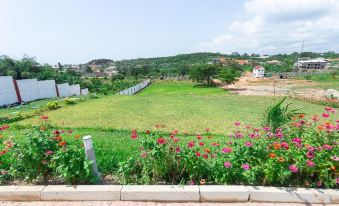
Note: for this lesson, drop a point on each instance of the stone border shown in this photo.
(169, 193)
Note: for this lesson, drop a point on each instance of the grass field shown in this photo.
(181, 106)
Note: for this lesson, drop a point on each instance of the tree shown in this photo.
(230, 73)
(203, 72)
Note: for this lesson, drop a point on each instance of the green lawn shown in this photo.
(180, 106)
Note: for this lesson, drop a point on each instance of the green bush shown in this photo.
(51, 154)
(53, 105)
(69, 101)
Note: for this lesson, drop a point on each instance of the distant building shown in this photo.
(220, 60)
(259, 71)
(274, 61)
(319, 63)
(110, 71)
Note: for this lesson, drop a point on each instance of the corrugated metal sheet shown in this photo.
(47, 89)
(75, 90)
(7, 91)
(64, 90)
(29, 89)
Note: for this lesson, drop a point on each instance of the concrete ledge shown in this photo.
(168, 193)
(81, 192)
(162, 193)
(215, 193)
(20, 193)
(288, 195)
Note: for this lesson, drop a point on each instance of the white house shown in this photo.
(258, 71)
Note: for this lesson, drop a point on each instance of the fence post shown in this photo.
(89, 150)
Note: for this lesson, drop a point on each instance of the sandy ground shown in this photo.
(249, 85)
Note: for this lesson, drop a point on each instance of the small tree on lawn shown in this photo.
(230, 73)
(203, 72)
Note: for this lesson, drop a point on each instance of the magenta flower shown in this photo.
(177, 150)
(297, 140)
(246, 166)
(279, 135)
(191, 144)
(226, 150)
(228, 164)
(248, 144)
(310, 163)
(293, 168)
(325, 115)
(310, 155)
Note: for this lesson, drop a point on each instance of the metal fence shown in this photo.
(136, 88)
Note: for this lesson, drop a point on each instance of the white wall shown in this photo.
(64, 90)
(84, 91)
(7, 91)
(75, 89)
(29, 89)
(47, 89)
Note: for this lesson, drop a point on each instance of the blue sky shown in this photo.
(76, 31)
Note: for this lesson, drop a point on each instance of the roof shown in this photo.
(241, 61)
(258, 67)
(318, 60)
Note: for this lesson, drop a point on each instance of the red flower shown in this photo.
(134, 135)
(57, 138)
(201, 143)
(205, 156)
(44, 117)
(199, 136)
(161, 140)
(4, 127)
(197, 154)
(191, 144)
(56, 132)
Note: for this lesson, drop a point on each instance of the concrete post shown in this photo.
(90, 154)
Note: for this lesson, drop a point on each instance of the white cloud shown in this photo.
(272, 26)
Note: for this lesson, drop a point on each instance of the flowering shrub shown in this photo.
(303, 153)
(5, 149)
(51, 153)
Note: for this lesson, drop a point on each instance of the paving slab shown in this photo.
(81, 192)
(220, 193)
(20, 193)
(334, 195)
(162, 193)
(287, 195)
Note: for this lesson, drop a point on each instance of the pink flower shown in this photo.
(239, 135)
(227, 164)
(315, 118)
(237, 123)
(197, 154)
(134, 135)
(327, 147)
(293, 168)
(267, 129)
(49, 152)
(248, 144)
(325, 115)
(279, 135)
(284, 145)
(319, 183)
(310, 163)
(246, 166)
(335, 158)
(328, 108)
(226, 150)
(44, 162)
(177, 150)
